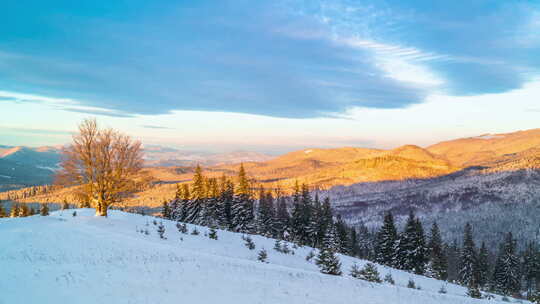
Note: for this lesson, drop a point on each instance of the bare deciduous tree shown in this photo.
(103, 163)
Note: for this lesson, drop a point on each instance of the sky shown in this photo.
(269, 76)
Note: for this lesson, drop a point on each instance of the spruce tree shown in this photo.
(410, 250)
(316, 226)
(386, 239)
(178, 193)
(468, 272)
(438, 263)
(161, 231)
(483, 266)
(343, 234)
(282, 219)
(327, 260)
(249, 243)
(301, 215)
(198, 194)
(242, 207)
(368, 273)
(165, 210)
(225, 199)
(531, 269)
(265, 214)
(213, 233)
(507, 277)
(262, 256)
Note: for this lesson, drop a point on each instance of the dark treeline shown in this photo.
(309, 221)
(222, 203)
(505, 271)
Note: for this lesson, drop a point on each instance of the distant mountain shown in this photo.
(159, 156)
(473, 151)
(24, 166)
(486, 176)
(498, 191)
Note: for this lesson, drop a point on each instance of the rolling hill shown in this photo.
(121, 259)
(327, 168)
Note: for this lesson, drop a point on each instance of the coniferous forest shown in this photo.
(304, 219)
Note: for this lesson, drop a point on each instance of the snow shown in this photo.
(88, 259)
(489, 136)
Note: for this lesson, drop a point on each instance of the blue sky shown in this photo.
(269, 75)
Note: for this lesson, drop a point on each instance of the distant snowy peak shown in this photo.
(489, 136)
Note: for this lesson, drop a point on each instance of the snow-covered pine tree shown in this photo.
(316, 228)
(344, 242)
(483, 266)
(282, 219)
(386, 239)
(368, 273)
(301, 215)
(366, 241)
(210, 210)
(165, 210)
(353, 242)
(327, 260)
(178, 194)
(265, 224)
(468, 259)
(242, 207)
(161, 231)
(410, 250)
(437, 259)
(194, 206)
(179, 206)
(249, 243)
(507, 277)
(262, 256)
(213, 233)
(225, 199)
(473, 291)
(531, 270)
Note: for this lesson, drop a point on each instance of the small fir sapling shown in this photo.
(277, 245)
(263, 255)
(389, 279)
(213, 233)
(182, 227)
(161, 231)
(249, 243)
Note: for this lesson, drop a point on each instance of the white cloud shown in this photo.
(404, 64)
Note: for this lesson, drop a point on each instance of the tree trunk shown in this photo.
(101, 208)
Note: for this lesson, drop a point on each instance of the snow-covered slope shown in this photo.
(85, 259)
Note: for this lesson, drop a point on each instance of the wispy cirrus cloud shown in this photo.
(64, 104)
